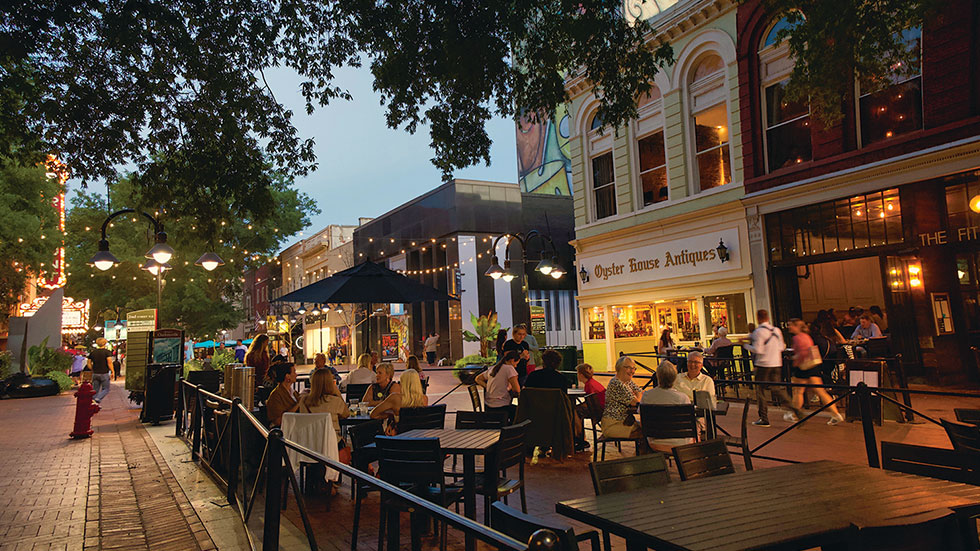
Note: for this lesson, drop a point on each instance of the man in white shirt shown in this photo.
(767, 349)
(665, 394)
(695, 379)
(431, 347)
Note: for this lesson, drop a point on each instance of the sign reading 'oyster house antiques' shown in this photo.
(666, 260)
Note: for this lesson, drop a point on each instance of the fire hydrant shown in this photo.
(84, 410)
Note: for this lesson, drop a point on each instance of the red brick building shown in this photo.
(881, 208)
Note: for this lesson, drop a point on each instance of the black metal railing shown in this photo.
(221, 433)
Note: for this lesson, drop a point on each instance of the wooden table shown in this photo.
(468, 444)
(798, 506)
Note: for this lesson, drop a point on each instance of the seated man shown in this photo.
(665, 394)
(866, 329)
(694, 379)
(282, 399)
(548, 377)
(320, 362)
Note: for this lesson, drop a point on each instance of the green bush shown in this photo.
(192, 365)
(63, 380)
(6, 364)
(222, 358)
(43, 360)
(472, 359)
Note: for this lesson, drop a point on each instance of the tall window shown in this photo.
(897, 108)
(603, 173)
(710, 114)
(786, 123)
(651, 149)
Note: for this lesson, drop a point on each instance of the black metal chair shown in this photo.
(623, 475)
(594, 414)
(937, 530)
(673, 421)
(964, 437)
(494, 483)
(356, 391)
(520, 526)
(938, 463)
(963, 415)
(703, 459)
(742, 440)
(363, 452)
(426, 417)
(474, 391)
(414, 464)
(469, 420)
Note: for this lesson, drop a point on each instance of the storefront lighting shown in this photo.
(340, 308)
(326, 309)
(722, 251)
(975, 203)
(914, 275)
(583, 275)
(315, 311)
(302, 309)
(494, 271)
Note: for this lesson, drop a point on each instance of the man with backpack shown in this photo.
(767, 351)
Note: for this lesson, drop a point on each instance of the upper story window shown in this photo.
(897, 108)
(709, 112)
(651, 150)
(603, 174)
(786, 123)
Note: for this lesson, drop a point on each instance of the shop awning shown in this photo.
(366, 282)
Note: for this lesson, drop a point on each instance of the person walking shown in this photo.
(767, 346)
(98, 362)
(257, 356)
(240, 351)
(431, 347)
(807, 368)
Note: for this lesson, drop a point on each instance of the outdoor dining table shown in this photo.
(468, 444)
(789, 507)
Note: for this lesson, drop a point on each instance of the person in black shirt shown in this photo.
(98, 360)
(549, 377)
(518, 344)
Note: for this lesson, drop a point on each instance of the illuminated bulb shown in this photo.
(881, 214)
(889, 206)
(888, 134)
(857, 213)
(914, 270)
(960, 274)
(915, 282)
(975, 203)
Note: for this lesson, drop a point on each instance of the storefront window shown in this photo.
(681, 317)
(858, 222)
(726, 311)
(966, 273)
(597, 323)
(633, 321)
(960, 218)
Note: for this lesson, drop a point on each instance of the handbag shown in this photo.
(810, 359)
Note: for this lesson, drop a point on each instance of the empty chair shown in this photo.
(742, 441)
(414, 464)
(934, 531)
(674, 423)
(356, 392)
(964, 437)
(963, 415)
(703, 459)
(466, 420)
(594, 412)
(426, 417)
(495, 482)
(474, 391)
(939, 463)
(520, 526)
(363, 453)
(631, 473)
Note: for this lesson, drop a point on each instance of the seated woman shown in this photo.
(410, 397)
(282, 398)
(622, 394)
(501, 384)
(666, 394)
(324, 397)
(384, 385)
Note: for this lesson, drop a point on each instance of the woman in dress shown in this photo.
(807, 369)
(622, 394)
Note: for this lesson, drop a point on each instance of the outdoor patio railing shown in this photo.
(224, 438)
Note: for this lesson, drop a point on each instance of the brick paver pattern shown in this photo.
(113, 491)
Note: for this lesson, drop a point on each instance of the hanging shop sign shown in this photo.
(141, 320)
(710, 253)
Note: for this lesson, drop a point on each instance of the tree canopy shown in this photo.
(199, 301)
(179, 90)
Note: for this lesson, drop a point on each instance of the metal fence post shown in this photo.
(179, 425)
(234, 450)
(273, 491)
(870, 443)
(196, 426)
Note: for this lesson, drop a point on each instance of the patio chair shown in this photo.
(594, 414)
(964, 437)
(963, 415)
(521, 526)
(474, 391)
(414, 464)
(473, 420)
(630, 473)
(363, 453)
(356, 391)
(495, 484)
(742, 440)
(938, 463)
(675, 421)
(934, 531)
(427, 417)
(551, 413)
(703, 459)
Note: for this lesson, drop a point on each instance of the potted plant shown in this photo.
(484, 332)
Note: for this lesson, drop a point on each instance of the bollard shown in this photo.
(85, 408)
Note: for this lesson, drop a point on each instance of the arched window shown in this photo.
(651, 150)
(786, 123)
(896, 108)
(603, 181)
(709, 114)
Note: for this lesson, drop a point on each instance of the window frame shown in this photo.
(703, 95)
(858, 95)
(778, 57)
(649, 121)
(598, 144)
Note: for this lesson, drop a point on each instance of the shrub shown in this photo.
(63, 380)
(472, 359)
(43, 360)
(6, 364)
(192, 365)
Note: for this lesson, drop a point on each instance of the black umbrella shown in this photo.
(366, 282)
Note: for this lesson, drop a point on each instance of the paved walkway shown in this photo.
(113, 491)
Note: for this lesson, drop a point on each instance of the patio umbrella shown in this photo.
(366, 282)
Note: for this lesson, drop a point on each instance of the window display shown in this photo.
(726, 311)
(649, 320)
(597, 323)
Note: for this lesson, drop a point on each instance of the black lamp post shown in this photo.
(546, 266)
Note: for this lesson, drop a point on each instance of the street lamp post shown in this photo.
(546, 266)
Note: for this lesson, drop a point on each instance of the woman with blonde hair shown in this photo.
(622, 395)
(363, 375)
(324, 397)
(410, 397)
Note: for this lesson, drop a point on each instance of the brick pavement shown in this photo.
(113, 491)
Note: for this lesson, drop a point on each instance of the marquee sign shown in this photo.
(74, 314)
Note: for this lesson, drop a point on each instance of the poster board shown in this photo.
(941, 314)
(141, 320)
(389, 347)
(137, 354)
(538, 324)
(167, 347)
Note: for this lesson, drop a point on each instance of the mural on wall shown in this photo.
(544, 162)
(645, 9)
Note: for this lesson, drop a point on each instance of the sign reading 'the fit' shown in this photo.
(666, 260)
